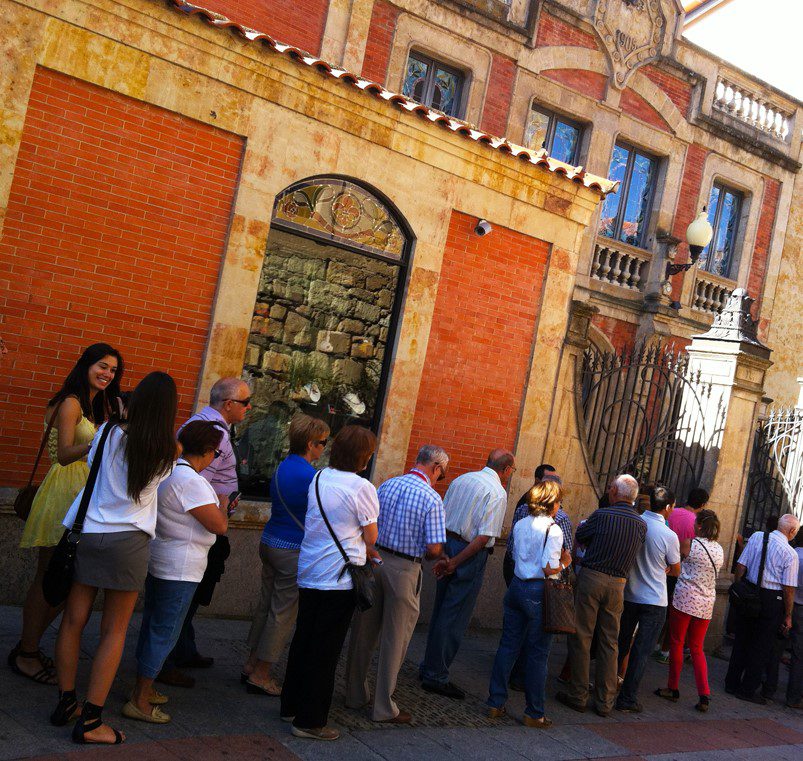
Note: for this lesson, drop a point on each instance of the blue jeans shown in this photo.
(166, 605)
(522, 624)
(455, 597)
(650, 620)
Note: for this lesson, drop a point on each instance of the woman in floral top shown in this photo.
(693, 606)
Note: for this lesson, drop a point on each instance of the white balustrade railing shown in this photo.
(751, 109)
(620, 266)
(710, 295)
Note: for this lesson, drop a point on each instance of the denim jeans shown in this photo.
(166, 605)
(523, 621)
(794, 690)
(650, 620)
(455, 597)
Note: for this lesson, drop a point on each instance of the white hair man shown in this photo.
(411, 526)
(613, 536)
(771, 564)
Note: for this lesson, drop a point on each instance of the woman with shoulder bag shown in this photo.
(188, 519)
(275, 615)
(87, 398)
(693, 605)
(112, 553)
(538, 553)
(342, 509)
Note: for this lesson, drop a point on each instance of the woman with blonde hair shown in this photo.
(275, 615)
(537, 553)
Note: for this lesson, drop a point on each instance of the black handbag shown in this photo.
(745, 596)
(558, 601)
(58, 577)
(362, 576)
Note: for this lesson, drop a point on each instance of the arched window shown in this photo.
(325, 316)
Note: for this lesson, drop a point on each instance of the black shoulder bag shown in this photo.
(61, 568)
(746, 596)
(362, 576)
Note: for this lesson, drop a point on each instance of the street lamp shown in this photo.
(698, 236)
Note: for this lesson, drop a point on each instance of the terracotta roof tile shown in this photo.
(458, 126)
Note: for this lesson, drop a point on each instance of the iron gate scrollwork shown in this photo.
(646, 413)
(775, 480)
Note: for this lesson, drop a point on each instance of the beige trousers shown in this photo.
(599, 601)
(390, 622)
(275, 615)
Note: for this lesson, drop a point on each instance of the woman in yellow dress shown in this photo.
(87, 398)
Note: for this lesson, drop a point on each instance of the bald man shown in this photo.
(475, 506)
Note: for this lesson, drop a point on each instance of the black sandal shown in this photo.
(67, 709)
(80, 729)
(45, 675)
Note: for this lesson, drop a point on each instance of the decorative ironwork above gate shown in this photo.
(775, 481)
(646, 413)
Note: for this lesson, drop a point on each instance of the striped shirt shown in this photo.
(475, 505)
(410, 515)
(561, 518)
(780, 567)
(613, 536)
(222, 472)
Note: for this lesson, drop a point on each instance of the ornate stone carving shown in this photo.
(734, 322)
(632, 31)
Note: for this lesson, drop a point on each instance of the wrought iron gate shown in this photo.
(775, 480)
(644, 412)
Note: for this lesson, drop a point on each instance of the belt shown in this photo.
(455, 535)
(398, 554)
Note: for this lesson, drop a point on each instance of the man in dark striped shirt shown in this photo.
(613, 536)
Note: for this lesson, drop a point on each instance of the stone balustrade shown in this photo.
(710, 293)
(752, 109)
(620, 265)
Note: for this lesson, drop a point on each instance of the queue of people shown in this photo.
(157, 509)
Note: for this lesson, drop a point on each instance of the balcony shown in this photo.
(710, 292)
(751, 109)
(620, 265)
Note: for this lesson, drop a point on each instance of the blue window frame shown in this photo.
(433, 84)
(724, 213)
(560, 136)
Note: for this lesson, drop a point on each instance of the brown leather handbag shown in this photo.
(25, 496)
(558, 602)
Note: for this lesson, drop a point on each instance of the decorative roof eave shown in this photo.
(539, 158)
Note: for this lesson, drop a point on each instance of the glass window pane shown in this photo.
(610, 208)
(537, 126)
(637, 205)
(445, 92)
(725, 234)
(415, 79)
(704, 261)
(564, 143)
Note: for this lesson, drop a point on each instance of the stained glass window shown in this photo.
(560, 136)
(724, 212)
(433, 84)
(625, 215)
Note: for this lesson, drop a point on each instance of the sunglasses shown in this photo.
(322, 442)
(245, 402)
(217, 453)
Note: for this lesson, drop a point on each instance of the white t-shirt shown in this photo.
(110, 509)
(181, 545)
(530, 554)
(350, 503)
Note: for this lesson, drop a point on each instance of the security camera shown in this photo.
(483, 227)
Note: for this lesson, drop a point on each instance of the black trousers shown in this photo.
(755, 644)
(323, 620)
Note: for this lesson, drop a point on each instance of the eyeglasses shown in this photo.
(245, 402)
(217, 453)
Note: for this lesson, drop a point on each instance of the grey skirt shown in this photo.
(117, 560)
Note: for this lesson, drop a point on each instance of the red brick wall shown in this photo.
(294, 22)
(588, 83)
(500, 92)
(632, 103)
(766, 224)
(689, 206)
(380, 40)
(478, 356)
(117, 219)
(553, 31)
(620, 333)
(678, 91)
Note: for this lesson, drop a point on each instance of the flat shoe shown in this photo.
(257, 689)
(175, 678)
(542, 723)
(497, 713)
(156, 716)
(448, 690)
(401, 718)
(562, 697)
(318, 733)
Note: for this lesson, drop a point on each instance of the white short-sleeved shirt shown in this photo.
(110, 508)
(530, 553)
(780, 566)
(350, 503)
(475, 505)
(696, 590)
(179, 550)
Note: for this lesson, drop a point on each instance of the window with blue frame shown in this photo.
(625, 215)
(560, 136)
(724, 213)
(433, 84)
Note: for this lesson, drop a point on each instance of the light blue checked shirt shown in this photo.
(410, 515)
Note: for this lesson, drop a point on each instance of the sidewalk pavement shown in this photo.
(217, 719)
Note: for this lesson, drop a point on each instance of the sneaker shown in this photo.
(316, 733)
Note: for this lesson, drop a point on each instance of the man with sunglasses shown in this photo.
(229, 401)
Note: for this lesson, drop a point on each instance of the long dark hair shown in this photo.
(150, 445)
(77, 384)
